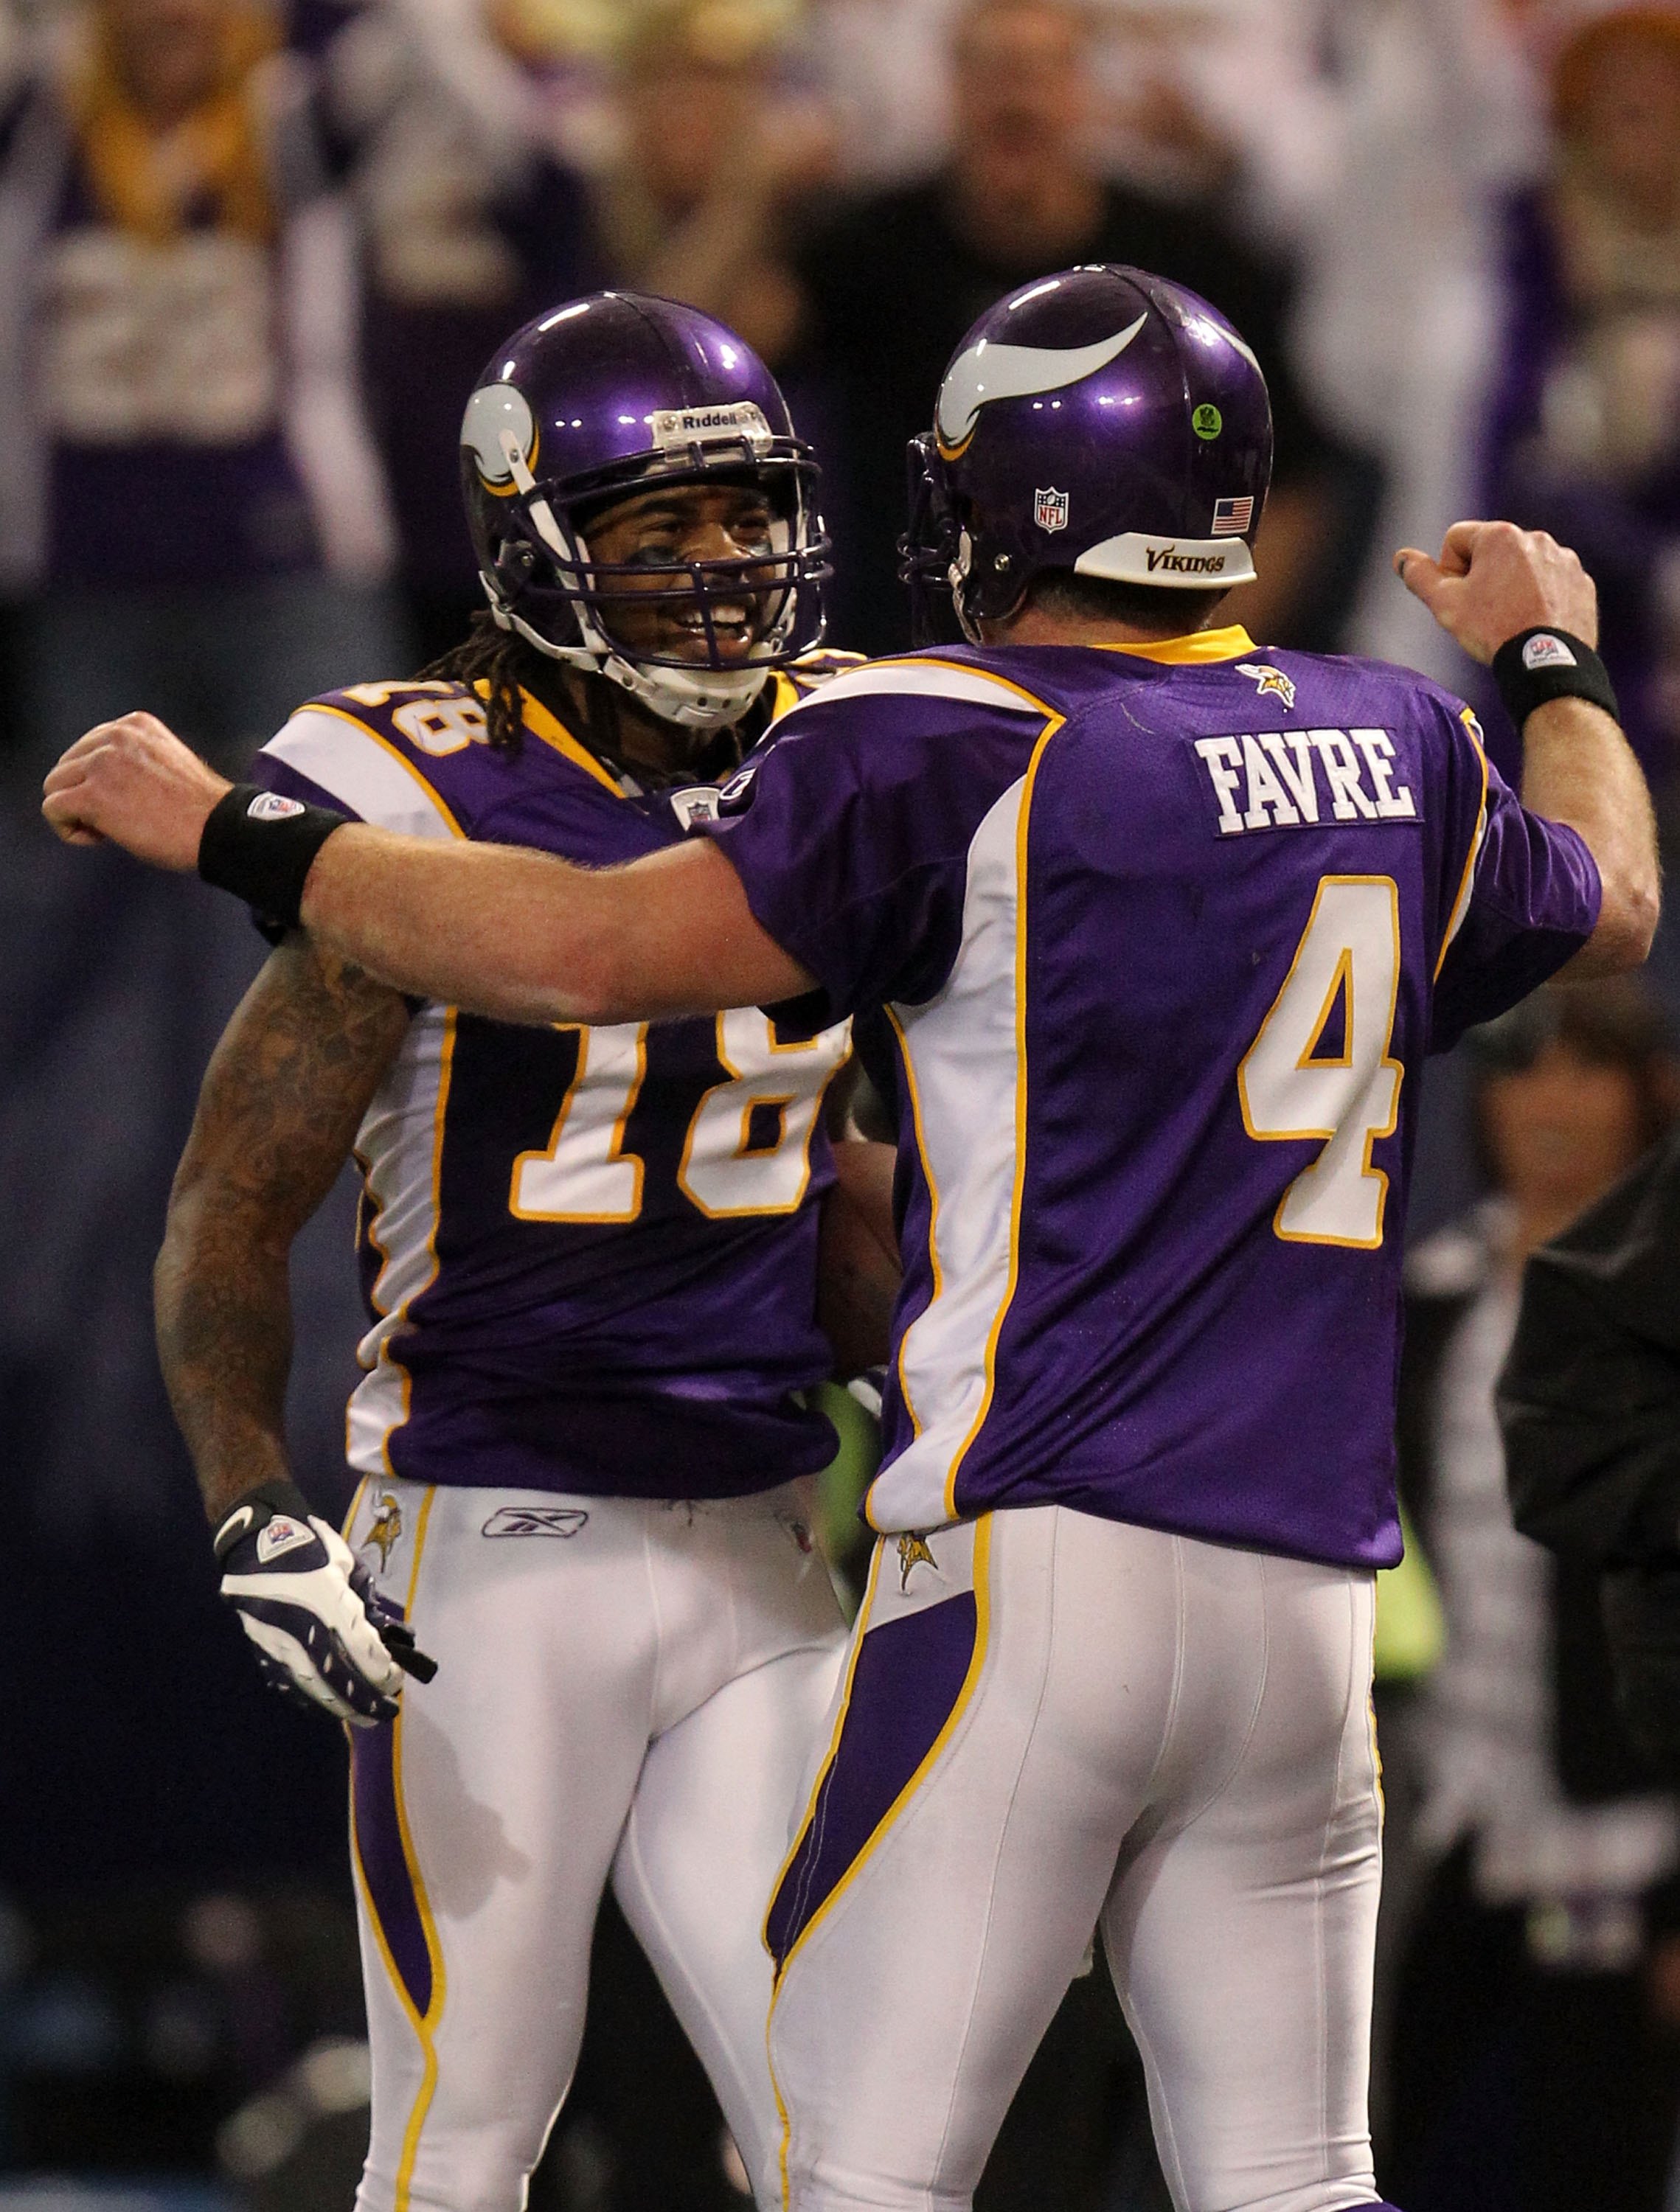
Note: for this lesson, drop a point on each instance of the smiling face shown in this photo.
(673, 526)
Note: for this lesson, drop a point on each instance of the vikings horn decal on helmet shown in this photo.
(605, 398)
(1135, 400)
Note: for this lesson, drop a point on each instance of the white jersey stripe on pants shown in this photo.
(391, 1892)
(628, 1689)
(1118, 1726)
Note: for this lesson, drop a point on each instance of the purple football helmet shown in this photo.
(605, 398)
(1103, 421)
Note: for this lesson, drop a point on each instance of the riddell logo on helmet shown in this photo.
(1184, 564)
(689, 426)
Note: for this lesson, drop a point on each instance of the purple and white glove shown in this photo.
(323, 1632)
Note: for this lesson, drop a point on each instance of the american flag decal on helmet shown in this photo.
(1231, 517)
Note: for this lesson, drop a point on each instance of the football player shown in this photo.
(589, 1259)
(1147, 930)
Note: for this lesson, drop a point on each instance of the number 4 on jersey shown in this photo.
(1320, 1065)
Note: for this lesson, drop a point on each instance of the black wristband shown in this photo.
(1539, 665)
(255, 1508)
(261, 847)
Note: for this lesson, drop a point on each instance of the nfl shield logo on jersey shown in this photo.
(696, 803)
(1050, 509)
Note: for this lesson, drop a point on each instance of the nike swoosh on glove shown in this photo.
(323, 1632)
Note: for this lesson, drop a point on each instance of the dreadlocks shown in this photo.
(497, 658)
(506, 664)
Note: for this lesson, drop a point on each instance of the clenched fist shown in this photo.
(134, 783)
(1493, 580)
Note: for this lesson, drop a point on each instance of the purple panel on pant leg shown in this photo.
(908, 1676)
(393, 1898)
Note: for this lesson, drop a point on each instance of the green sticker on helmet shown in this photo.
(1206, 422)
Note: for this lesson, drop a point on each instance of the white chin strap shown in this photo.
(705, 699)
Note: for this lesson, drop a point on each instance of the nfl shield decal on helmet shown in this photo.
(1050, 509)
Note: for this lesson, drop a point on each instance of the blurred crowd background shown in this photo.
(252, 259)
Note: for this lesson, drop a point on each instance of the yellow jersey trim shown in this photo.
(348, 1521)
(385, 1357)
(541, 724)
(1008, 1298)
(804, 1829)
(785, 694)
(319, 707)
(1467, 881)
(1201, 645)
(982, 1546)
(423, 2024)
(1053, 722)
(988, 675)
(913, 1092)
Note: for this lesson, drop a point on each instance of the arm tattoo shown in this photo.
(284, 1093)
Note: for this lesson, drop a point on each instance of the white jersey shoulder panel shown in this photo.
(347, 759)
(919, 679)
(963, 1059)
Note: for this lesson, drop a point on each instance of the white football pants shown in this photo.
(625, 1689)
(1049, 1722)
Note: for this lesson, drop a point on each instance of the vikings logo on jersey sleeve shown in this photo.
(1269, 683)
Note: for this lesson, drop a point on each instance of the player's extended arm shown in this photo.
(529, 938)
(514, 934)
(285, 1091)
(281, 1100)
(1492, 581)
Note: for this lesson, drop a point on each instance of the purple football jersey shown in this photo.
(589, 1253)
(1147, 945)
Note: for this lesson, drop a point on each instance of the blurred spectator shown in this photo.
(1589, 1406)
(1528, 2067)
(1390, 176)
(884, 63)
(1207, 97)
(715, 154)
(187, 487)
(1584, 438)
(140, 2018)
(891, 286)
(472, 225)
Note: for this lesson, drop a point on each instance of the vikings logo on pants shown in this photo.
(385, 1528)
(915, 1657)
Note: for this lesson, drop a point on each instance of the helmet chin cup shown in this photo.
(706, 700)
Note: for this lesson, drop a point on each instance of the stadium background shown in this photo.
(1453, 229)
